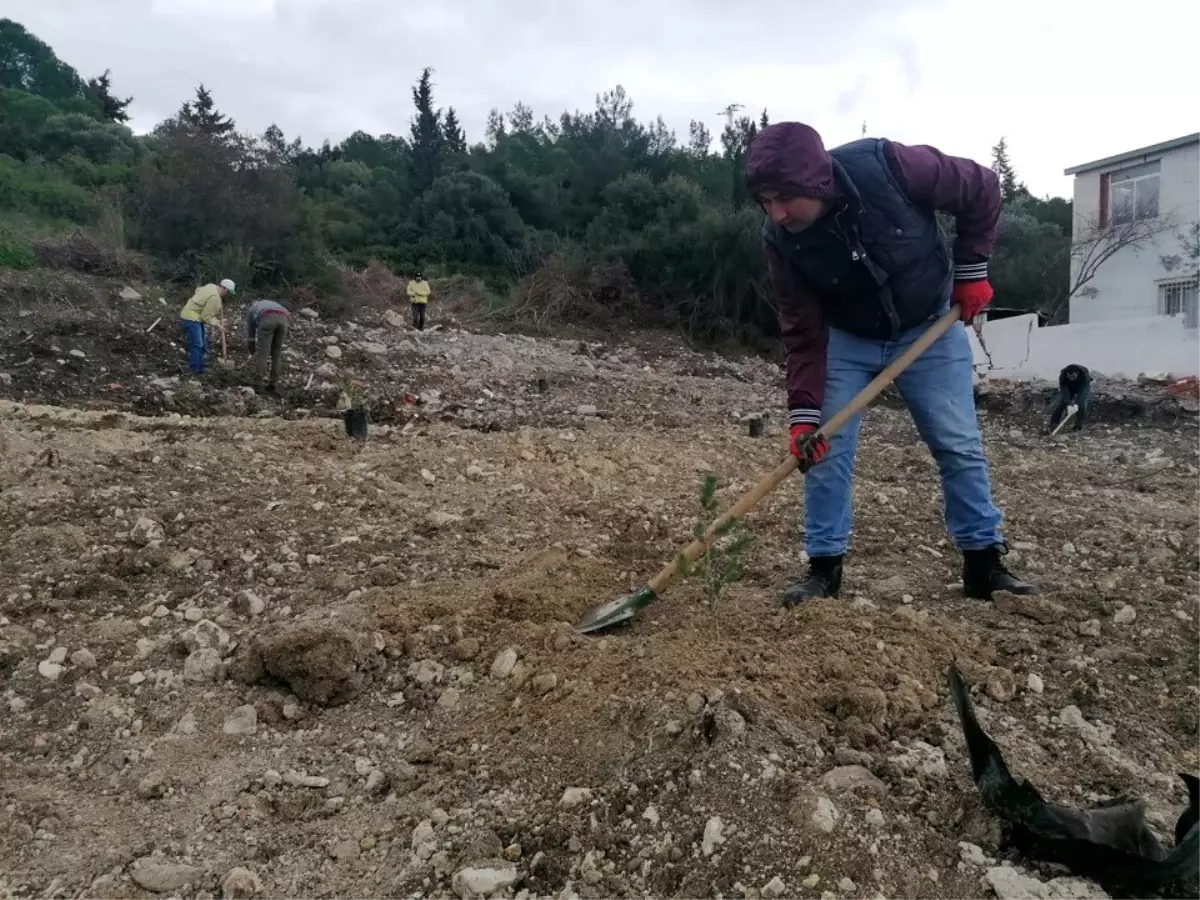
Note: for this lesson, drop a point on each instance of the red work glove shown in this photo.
(972, 296)
(805, 448)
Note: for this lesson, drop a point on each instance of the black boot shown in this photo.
(824, 580)
(984, 572)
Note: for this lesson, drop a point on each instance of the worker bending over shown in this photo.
(1074, 389)
(201, 311)
(859, 270)
(267, 326)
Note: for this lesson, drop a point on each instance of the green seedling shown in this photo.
(724, 563)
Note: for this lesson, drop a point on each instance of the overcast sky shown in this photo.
(1066, 81)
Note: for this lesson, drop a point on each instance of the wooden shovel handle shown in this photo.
(698, 547)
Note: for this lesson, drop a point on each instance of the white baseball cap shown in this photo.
(228, 285)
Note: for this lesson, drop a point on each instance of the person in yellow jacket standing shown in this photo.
(418, 296)
(203, 309)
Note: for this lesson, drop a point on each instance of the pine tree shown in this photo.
(495, 129)
(1002, 166)
(203, 115)
(699, 139)
(114, 108)
(763, 121)
(453, 134)
(428, 142)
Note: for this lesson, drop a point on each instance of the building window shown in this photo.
(1133, 194)
(1178, 297)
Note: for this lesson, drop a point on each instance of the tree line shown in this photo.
(586, 216)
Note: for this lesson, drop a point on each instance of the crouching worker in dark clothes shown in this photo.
(267, 324)
(1074, 388)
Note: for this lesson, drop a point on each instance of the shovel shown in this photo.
(1071, 410)
(616, 611)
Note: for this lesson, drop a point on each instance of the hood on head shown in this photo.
(790, 157)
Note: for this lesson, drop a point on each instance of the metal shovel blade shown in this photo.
(614, 612)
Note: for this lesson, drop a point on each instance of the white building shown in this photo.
(1152, 189)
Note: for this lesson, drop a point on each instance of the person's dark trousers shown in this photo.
(272, 332)
(418, 314)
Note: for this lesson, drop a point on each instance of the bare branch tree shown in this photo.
(1097, 242)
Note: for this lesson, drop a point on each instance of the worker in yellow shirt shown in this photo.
(203, 309)
(418, 296)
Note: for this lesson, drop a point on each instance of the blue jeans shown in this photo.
(938, 390)
(197, 344)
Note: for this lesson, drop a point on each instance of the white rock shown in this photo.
(450, 698)
(972, 854)
(1035, 683)
(83, 658)
(374, 348)
(422, 834)
(1009, 883)
(186, 724)
(504, 663)
(240, 884)
(203, 665)
(483, 882)
(774, 888)
(922, 758)
(162, 877)
(1090, 628)
(50, 670)
(242, 721)
(146, 531)
(1124, 615)
(333, 351)
(128, 293)
(847, 886)
(193, 614)
(574, 796)
(586, 409)
(299, 779)
(309, 313)
(249, 604)
(712, 836)
(875, 818)
(825, 815)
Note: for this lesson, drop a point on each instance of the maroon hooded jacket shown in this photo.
(790, 158)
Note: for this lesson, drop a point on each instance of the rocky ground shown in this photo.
(243, 655)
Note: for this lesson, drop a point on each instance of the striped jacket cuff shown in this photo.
(971, 271)
(804, 417)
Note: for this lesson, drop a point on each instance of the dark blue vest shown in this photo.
(906, 272)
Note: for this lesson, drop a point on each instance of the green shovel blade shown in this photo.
(614, 612)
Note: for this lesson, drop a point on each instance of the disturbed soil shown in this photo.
(241, 654)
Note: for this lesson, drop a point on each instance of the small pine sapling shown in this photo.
(724, 563)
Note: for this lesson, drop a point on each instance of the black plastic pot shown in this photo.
(356, 423)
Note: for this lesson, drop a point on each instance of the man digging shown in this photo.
(203, 310)
(1074, 389)
(267, 325)
(859, 269)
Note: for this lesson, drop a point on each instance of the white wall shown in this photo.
(1021, 350)
(1125, 285)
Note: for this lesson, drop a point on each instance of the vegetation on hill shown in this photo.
(587, 216)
